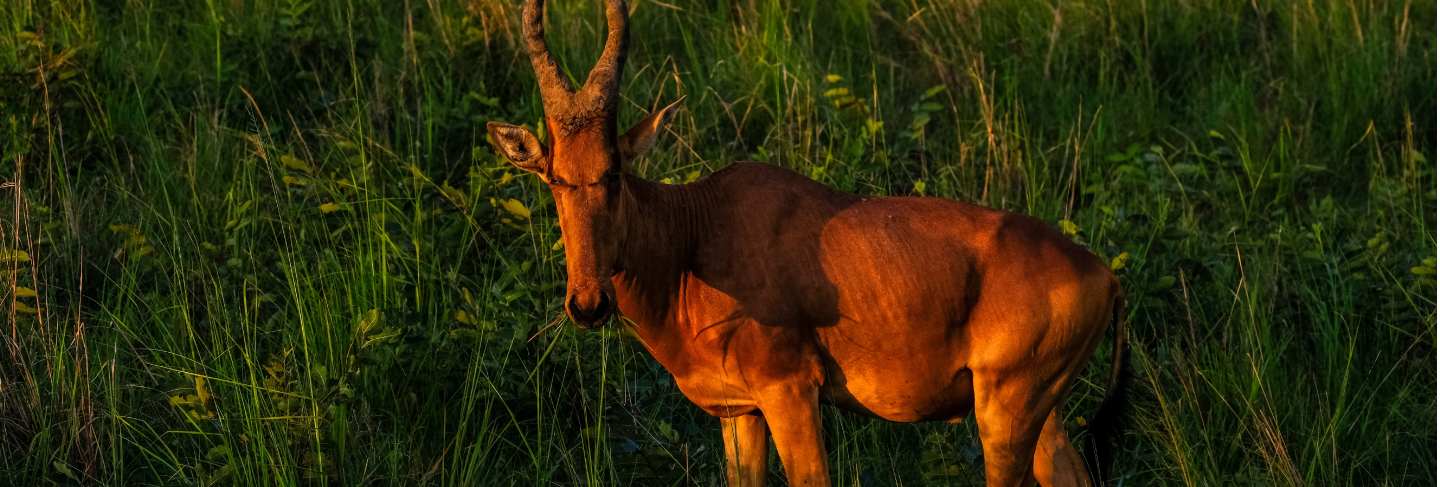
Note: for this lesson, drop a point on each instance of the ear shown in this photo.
(643, 134)
(518, 145)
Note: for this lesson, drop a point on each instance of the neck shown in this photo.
(664, 225)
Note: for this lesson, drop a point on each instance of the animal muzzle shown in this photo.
(589, 308)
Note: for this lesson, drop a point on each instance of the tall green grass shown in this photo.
(265, 242)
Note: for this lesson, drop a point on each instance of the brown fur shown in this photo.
(765, 293)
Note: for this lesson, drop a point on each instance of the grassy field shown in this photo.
(265, 242)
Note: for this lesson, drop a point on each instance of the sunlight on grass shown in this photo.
(266, 242)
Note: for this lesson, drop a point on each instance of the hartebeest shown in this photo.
(765, 293)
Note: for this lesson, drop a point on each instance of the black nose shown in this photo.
(589, 317)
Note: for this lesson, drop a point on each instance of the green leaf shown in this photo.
(1426, 267)
(1119, 261)
(455, 195)
(217, 452)
(1187, 169)
(1069, 228)
(1375, 241)
(295, 163)
(464, 334)
(201, 392)
(872, 125)
(515, 207)
(385, 335)
(13, 256)
(463, 317)
(919, 121)
(488, 101)
(63, 469)
(367, 322)
(666, 431)
(934, 90)
(1164, 282)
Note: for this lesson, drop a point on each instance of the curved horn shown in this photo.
(604, 80)
(555, 89)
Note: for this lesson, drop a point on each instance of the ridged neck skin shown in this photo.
(664, 226)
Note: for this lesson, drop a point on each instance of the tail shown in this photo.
(1104, 425)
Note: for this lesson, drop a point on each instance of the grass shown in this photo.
(266, 242)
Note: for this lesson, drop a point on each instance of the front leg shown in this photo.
(793, 412)
(745, 449)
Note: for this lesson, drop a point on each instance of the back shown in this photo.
(786, 246)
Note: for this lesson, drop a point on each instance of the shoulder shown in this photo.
(754, 178)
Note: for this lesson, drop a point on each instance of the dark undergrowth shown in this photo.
(266, 242)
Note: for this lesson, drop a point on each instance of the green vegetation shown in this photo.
(266, 242)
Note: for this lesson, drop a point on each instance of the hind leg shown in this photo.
(1010, 414)
(1057, 464)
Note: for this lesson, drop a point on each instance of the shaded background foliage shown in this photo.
(266, 242)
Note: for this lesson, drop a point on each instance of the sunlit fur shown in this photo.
(765, 293)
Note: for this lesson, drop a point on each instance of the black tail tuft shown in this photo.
(1105, 424)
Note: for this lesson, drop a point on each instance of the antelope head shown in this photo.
(584, 161)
